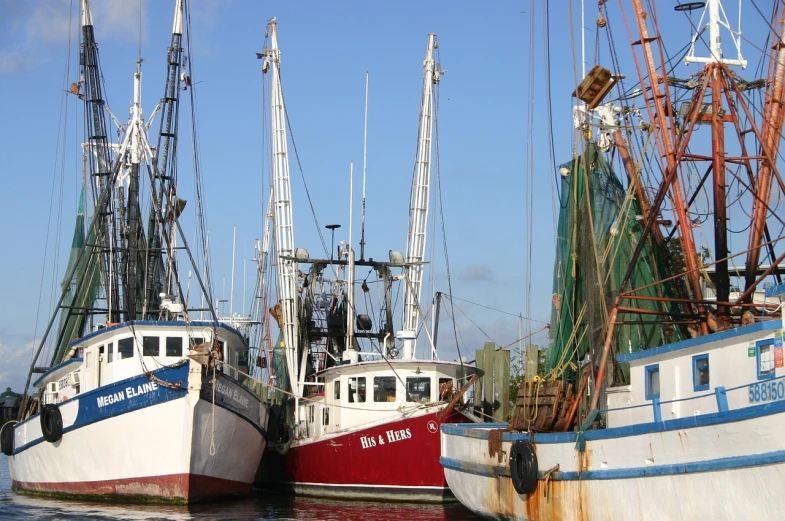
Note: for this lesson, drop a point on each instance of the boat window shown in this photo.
(325, 416)
(195, 341)
(652, 381)
(125, 347)
(418, 388)
(446, 388)
(174, 346)
(151, 346)
(384, 389)
(356, 389)
(700, 372)
(109, 352)
(765, 360)
(337, 390)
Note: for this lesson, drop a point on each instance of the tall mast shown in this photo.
(771, 133)
(100, 161)
(418, 206)
(284, 231)
(165, 171)
(129, 267)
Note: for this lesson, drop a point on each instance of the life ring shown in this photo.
(7, 439)
(523, 467)
(51, 423)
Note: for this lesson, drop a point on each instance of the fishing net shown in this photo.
(599, 228)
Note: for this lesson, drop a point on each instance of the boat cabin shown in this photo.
(118, 352)
(711, 374)
(367, 392)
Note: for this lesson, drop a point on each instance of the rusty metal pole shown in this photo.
(720, 211)
(663, 120)
(773, 116)
(606, 349)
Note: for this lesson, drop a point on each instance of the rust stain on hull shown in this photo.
(558, 501)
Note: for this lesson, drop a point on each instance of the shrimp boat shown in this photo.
(354, 415)
(143, 397)
(663, 396)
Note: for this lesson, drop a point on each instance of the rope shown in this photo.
(212, 415)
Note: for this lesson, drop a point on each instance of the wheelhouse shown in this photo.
(115, 353)
(354, 394)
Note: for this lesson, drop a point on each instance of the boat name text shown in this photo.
(232, 394)
(390, 436)
(128, 392)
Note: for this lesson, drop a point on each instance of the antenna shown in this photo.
(351, 200)
(365, 162)
(231, 287)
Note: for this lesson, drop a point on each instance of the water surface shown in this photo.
(258, 506)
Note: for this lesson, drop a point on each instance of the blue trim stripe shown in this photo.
(133, 394)
(93, 407)
(472, 430)
(729, 463)
(769, 325)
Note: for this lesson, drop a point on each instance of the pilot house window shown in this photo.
(765, 361)
(174, 346)
(700, 372)
(151, 346)
(418, 389)
(652, 382)
(125, 347)
(384, 389)
(356, 389)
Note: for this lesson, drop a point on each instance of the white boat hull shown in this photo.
(166, 444)
(720, 466)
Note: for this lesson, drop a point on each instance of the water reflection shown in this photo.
(259, 506)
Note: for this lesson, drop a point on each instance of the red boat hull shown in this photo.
(396, 460)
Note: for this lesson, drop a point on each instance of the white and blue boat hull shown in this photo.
(140, 439)
(728, 465)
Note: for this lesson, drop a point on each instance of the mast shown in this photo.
(365, 164)
(773, 117)
(722, 102)
(133, 228)
(165, 173)
(418, 207)
(350, 352)
(100, 161)
(259, 306)
(284, 231)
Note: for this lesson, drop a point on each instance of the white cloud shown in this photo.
(12, 62)
(29, 29)
(16, 356)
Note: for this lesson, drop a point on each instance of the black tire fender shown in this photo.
(523, 467)
(7, 439)
(51, 423)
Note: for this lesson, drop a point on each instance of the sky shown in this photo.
(495, 161)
